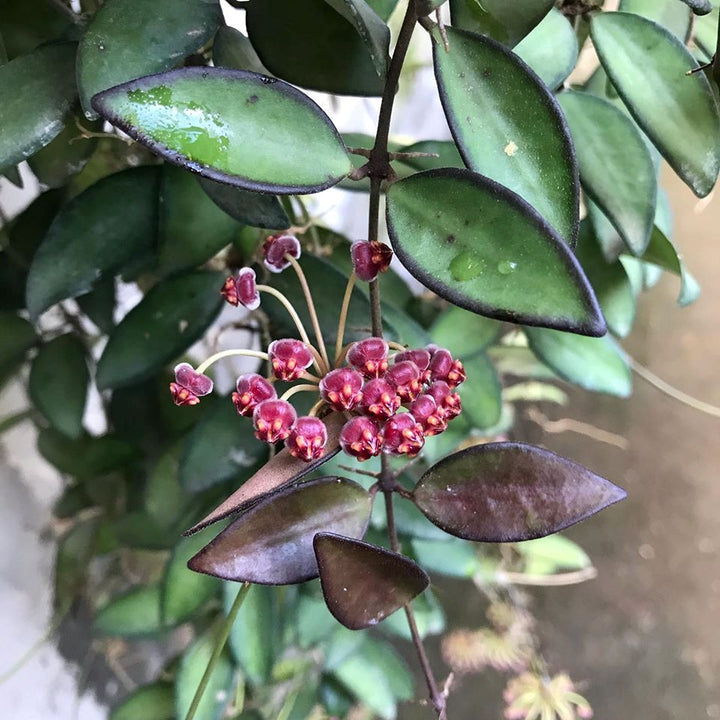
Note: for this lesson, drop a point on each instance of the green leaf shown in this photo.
(555, 552)
(453, 556)
(447, 152)
(149, 702)
(481, 393)
(253, 635)
(192, 229)
(165, 501)
(506, 22)
(705, 31)
(24, 31)
(221, 447)
(509, 492)
(94, 237)
(215, 122)
(183, 592)
(37, 90)
(254, 209)
(444, 226)
(133, 614)
(465, 332)
(669, 13)
(383, 8)
(648, 65)
(616, 169)
(231, 49)
(363, 584)
(271, 543)
(596, 364)
(127, 39)
(18, 336)
(58, 383)
(99, 304)
(74, 552)
(609, 280)
(170, 318)
(488, 94)
(193, 664)
(429, 617)
(551, 49)
(314, 46)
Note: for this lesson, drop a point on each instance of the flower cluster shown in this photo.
(532, 696)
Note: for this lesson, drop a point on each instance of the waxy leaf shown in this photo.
(616, 169)
(233, 126)
(231, 49)
(508, 492)
(37, 91)
(133, 614)
(25, 27)
(362, 583)
(663, 253)
(58, 383)
(551, 49)
(94, 237)
(170, 318)
(312, 45)
(282, 469)
(447, 152)
(705, 31)
(596, 364)
(154, 701)
(488, 94)
(99, 304)
(647, 66)
(271, 543)
(465, 332)
(18, 336)
(127, 39)
(255, 209)
(669, 13)
(481, 393)
(445, 225)
(506, 22)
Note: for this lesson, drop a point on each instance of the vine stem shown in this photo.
(219, 647)
(379, 169)
(296, 389)
(343, 317)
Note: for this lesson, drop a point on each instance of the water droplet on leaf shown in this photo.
(506, 267)
(466, 266)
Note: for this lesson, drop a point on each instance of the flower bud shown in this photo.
(189, 385)
(420, 357)
(276, 247)
(379, 399)
(369, 356)
(448, 402)
(307, 439)
(252, 389)
(403, 435)
(342, 388)
(289, 358)
(361, 438)
(443, 367)
(404, 376)
(370, 259)
(425, 411)
(274, 420)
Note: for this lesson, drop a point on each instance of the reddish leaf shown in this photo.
(281, 470)
(362, 583)
(272, 543)
(508, 492)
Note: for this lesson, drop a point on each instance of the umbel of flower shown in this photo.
(251, 390)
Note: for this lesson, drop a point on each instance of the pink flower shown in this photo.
(420, 357)
(448, 402)
(307, 439)
(252, 389)
(443, 367)
(425, 411)
(242, 289)
(403, 435)
(274, 420)
(276, 247)
(189, 385)
(289, 358)
(379, 399)
(404, 376)
(362, 438)
(369, 356)
(370, 259)
(342, 388)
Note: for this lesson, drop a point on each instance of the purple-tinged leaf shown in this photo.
(272, 543)
(362, 583)
(281, 470)
(509, 492)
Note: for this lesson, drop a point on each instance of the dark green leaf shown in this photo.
(596, 364)
(383, 8)
(215, 122)
(551, 49)
(18, 336)
(669, 13)
(314, 47)
(221, 447)
(25, 28)
(616, 169)
(648, 65)
(37, 91)
(138, 530)
(99, 305)
(12, 174)
(191, 227)
(611, 243)
(463, 332)
(58, 383)
(508, 492)
(74, 552)
(271, 543)
(233, 50)
(506, 22)
(170, 318)
(94, 236)
(447, 152)
(254, 209)
(127, 39)
(362, 583)
(149, 702)
(488, 94)
(133, 614)
(444, 226)
(481, 393)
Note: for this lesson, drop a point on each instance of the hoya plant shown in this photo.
(286, 512)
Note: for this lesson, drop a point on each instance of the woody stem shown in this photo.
(343, 317)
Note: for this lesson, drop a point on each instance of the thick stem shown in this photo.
(343, 317)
